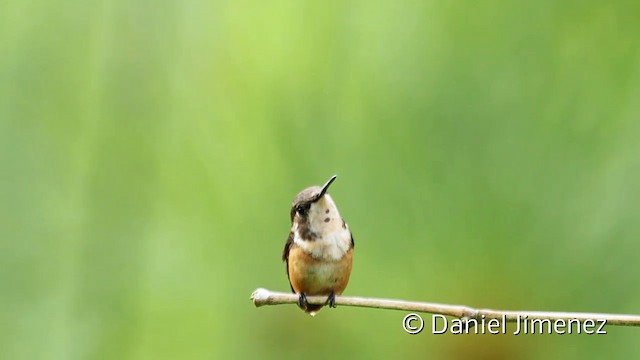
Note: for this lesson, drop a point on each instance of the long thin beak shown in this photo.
(325, 187)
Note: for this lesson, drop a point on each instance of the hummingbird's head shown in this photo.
(314, 212)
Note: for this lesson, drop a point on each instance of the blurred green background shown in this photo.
(487, 155)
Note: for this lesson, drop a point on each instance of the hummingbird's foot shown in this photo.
(302, 301)
(331, 300)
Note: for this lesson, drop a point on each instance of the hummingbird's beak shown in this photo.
(325, 187)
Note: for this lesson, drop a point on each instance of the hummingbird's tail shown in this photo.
(312, 309)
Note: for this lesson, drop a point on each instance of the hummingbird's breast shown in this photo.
(328, 247)
(318, 277)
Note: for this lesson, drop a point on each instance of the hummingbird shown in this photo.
(318, 254)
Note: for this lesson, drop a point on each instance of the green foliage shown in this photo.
(487, 155)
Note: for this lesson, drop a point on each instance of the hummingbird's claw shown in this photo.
(331, 300)
(302, 301)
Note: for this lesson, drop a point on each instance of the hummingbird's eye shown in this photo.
(302, 210)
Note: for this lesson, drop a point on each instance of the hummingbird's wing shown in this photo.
(344, 226)
(285, 257)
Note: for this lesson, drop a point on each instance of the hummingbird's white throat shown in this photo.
(333, 238)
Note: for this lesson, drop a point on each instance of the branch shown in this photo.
(262, 297)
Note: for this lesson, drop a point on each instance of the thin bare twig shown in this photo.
(262, 297)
